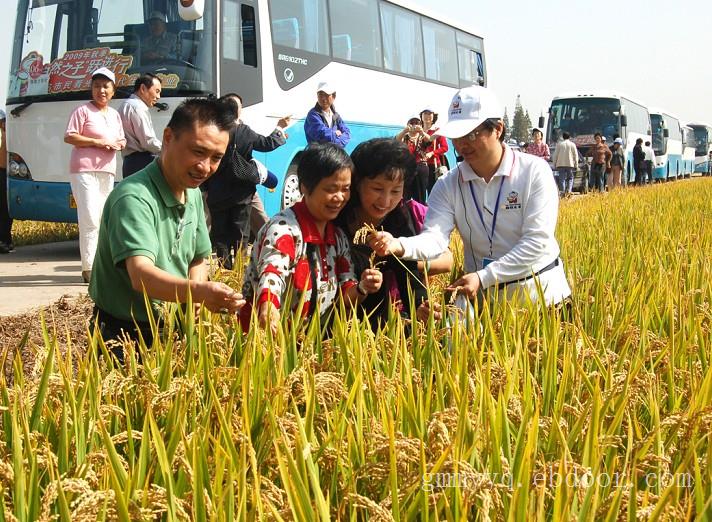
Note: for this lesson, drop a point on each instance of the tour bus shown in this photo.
(688, 150)
(667, 145)
(387, 61)
(703, 147)
(611, 114)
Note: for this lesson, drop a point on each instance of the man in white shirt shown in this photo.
(142, 145)
(649, 162)
(503, 203)
(565, 163)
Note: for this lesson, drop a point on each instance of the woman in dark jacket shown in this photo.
(382, 167)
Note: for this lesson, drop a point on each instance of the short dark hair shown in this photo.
(380, 156)
(232, 95)
(639, 140)
(534, 131)
(146, 79)
(205, 111)
(415, 121)
(647, 143)
(565, 135)
(598, 134)
(319, 161)
(229, 99)
(491, 124)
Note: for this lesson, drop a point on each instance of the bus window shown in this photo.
(249, 35)
(60, 42)
(402, 41)
(440, 52)
(355, 35)
(301, 24)
(656, 122)
(246, 52)
(470, 61)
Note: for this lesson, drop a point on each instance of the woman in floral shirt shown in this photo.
(300, 258)
(538, 147)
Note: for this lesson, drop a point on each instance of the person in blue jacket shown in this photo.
(323, 124)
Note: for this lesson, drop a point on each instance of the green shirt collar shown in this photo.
(159, 180)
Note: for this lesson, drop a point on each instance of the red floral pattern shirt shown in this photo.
(540, 149)
(279, 261)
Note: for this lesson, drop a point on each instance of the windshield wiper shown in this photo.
(19, 110)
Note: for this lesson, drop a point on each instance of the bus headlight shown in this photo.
(18, 168)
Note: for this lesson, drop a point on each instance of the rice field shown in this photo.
(603, 415)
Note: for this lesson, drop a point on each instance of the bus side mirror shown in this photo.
(666, 133)
(541, 122)
(624, 120)
(190, 10)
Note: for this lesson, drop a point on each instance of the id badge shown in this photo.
(486, 261)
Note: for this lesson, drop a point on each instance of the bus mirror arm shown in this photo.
(20, 109)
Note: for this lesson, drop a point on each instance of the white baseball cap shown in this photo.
(325, 87)
(469, 108)
(104, 71)
(618, 140)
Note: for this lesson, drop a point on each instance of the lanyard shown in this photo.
(490, 235)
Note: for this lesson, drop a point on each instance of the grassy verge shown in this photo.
(35, 232)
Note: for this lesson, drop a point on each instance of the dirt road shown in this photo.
(37, 275)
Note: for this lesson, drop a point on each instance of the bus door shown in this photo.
(240, 56)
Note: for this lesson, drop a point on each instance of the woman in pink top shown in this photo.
(95, 131)
(538, 147)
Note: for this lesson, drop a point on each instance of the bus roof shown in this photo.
(597, 94)
(658, 110)
(434, 14)
(692, 124)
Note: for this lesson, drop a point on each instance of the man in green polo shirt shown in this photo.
(153, 235)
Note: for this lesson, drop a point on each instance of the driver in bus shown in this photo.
(159, 44)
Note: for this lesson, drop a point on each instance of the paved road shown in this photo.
(37, 275)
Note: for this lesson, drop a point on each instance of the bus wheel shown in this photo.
(290, 188)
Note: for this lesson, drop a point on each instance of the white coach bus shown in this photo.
(386, 59)
(667, 144)
(612, 115)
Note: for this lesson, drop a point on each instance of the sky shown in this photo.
(655, 51)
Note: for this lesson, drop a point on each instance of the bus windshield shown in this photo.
(701, 137)
(59, 43)
(656, 121)
(584, 117)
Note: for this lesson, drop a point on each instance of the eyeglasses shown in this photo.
(472, 136)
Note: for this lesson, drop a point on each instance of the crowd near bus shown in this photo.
(670, 150)
(119, 113)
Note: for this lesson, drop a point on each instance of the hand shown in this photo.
(468, 285)
(338, 133)
(426, 308)
(218, 297)
(284, 121)
(268, 317)
(371, 280)
(384, 244)
(428, 155)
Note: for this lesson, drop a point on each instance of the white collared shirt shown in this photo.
(523, 241)
(138, 127)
